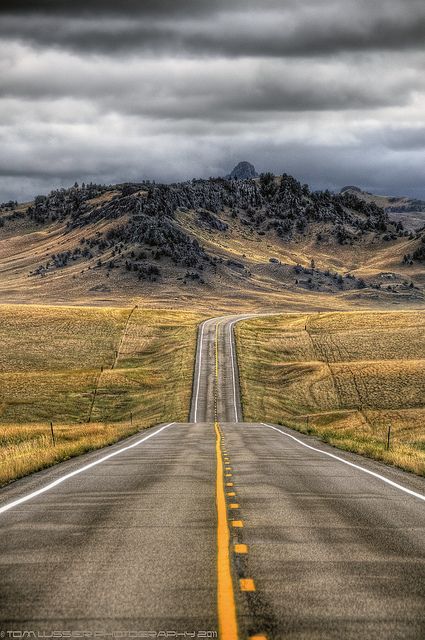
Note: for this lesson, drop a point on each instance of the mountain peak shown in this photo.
(243, 171)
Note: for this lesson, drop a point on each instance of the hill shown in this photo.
(231, 242)
(409, 211)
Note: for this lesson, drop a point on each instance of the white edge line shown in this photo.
(195, 412)
(350, 464)
(232, 357)
(233, 367)
(55, 483)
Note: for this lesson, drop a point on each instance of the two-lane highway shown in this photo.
(214, 335)
(250, 530)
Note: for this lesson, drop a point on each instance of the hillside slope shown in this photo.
(409, 211)
(229, 242)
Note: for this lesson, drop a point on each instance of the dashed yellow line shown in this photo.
(247, 584)
(225, 595)
(226, 605)
(241, 548)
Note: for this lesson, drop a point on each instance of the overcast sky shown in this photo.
(331, 91)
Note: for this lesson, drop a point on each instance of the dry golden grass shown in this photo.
(97, 375)
(47, 338)
(343, 376)
(24, 450)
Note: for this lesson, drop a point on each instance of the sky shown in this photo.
(331, 91)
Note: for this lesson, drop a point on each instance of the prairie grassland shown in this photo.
(96, 373)
(346, 377)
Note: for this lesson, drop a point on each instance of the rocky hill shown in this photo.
(409, 211)
(245, 233)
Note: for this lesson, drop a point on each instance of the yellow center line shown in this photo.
(225, 594)
(226, 605)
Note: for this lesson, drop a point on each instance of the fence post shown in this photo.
(389, 438)
(131, 418)
(53, 434)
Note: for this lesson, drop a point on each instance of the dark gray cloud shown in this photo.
(408, 138)
(211, 91)
(321, 167)
(219, 28)
(331, 90)
(126, 7)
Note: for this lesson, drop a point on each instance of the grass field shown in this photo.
(346, 377)
(97, 374)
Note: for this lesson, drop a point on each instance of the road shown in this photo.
(216, 391)
(249, 530)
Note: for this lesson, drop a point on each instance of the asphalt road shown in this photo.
(215, 525)
(219, 392)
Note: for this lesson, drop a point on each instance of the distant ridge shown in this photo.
(409, 211)
(351, 188)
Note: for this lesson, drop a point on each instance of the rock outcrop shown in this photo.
(243, 171)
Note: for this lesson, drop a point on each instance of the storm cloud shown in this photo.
(332, 91)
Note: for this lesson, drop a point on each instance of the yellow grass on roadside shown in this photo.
(95, 374)
(346, 377)
(25, 450)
